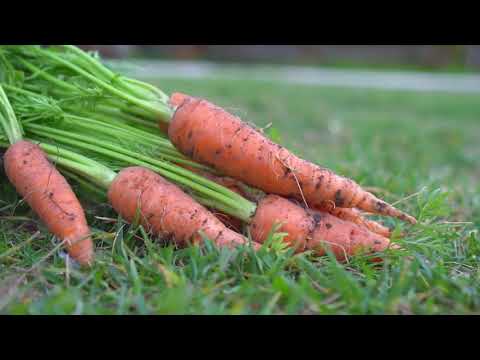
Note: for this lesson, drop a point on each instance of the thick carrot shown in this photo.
(314, 230)
(210, 135)
(275, 210)
(166, 210)
(51, 197)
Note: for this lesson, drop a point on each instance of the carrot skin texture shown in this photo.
(344, 238)
(177, 98)
(353, 215)
(293, 220)
(163, 126)
(314, 230)
(51, 197)
(166, 210)
(210, 135)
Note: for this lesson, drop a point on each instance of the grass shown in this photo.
(420, 150)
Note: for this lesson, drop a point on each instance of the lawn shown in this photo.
(419, 150)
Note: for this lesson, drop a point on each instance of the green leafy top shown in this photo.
(68, 72)
(8, 120)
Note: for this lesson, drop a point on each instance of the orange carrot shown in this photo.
(177, 98)
(51, 197)
(275, 210)
(345, 238)
(313, 230)
(353, 215)
(166, 210)
(212, 136)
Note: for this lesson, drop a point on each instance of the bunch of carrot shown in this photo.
(179, 158)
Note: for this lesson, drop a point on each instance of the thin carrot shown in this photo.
(313, 230)
(44, 188)
(353, 215)
(210, 135)
(166, 210)
(51, 197)
(344, 238)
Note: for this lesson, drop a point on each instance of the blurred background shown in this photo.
(431, 57)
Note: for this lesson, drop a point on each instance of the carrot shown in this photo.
(313, 230)
(356, 217)
(353, 215)
(139, 194)
(43, 187)
(294, 220)
(51, 197)
(105, 178)
(177, 98)
(166, 210)
(344, 238)
(212, 136)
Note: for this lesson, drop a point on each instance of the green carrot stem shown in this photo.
(74, 138)
(60, 135)
(48, 132)
(84, 183)
(217, 205)
(99, 174)
(163, 112)
(11, 126)
(42, 73)
(115, 106)
(245, 209)
(115, 127)
(89, 172)
(160, 94)
(106, 111)
(90, 60)
(138, 88)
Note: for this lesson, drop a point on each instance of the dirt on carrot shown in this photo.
(353, 215)
(211, 136)
(313, 230)
(139, 194)
(51, 197)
